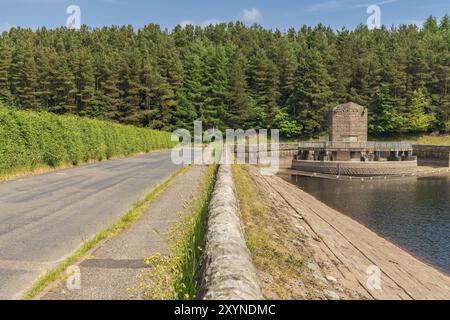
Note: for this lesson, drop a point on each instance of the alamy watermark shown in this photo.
(239, 146)
(73, 281)
(373, 278)
(374, 21)
(74, 19)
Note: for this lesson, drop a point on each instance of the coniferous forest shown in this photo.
(233, 76)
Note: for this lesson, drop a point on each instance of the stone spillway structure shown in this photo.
(349, 123)
(348, 153)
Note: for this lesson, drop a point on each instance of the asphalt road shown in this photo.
(116, 266)
(45, 218)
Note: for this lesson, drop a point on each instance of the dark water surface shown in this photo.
(413, 213)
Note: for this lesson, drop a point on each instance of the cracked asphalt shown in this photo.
(45, 218)
(115, 266)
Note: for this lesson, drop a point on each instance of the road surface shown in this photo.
(45, 218)
(116, 266)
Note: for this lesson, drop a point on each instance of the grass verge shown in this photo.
(175, 277)
(437, 140)
(274, 244)
(124, 222)
(419, 139)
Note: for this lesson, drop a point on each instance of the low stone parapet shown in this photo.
(228, 272)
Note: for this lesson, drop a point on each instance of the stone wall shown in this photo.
(228, 272)
(284, 148)
(429, 155)
(349, 123)
(286, 152)
(357, 169)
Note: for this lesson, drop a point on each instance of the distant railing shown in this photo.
(356, 145)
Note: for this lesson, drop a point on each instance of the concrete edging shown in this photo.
(228, 272)
(357, 169)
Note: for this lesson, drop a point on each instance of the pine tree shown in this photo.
(185, 112)
(108, 94)
(445, 25)
(191, 97)
(238, 110)
(171, 67)
(44, 95)
(287, 66)
(62, 85)
(342, 68)
(158, 99)
(130, 88)
(166, 102)
(417, 120)
(385, 118)
(366, 69)
(24, 77)
(215, 84)
(5, 63)
(418, 68)
(431, 25)
(263, 83)
(85, 84)
(393, 64)
(310, 102)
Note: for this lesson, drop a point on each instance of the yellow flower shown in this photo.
(186, 296)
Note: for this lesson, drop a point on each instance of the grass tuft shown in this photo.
(273, 243)
(419, 139)
(175, 277)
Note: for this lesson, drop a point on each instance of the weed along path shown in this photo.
(112, 271)
(45, 218)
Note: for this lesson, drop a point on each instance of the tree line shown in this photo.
(233, 76)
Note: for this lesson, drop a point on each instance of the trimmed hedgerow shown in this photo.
(30, 140)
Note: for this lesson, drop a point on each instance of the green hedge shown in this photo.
(29, 140)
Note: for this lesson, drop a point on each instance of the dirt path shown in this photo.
(111, 269)
(344, 253)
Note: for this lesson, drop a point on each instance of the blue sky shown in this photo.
(280, 14)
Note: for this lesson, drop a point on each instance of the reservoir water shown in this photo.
(412, 213)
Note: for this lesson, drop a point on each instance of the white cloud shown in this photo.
(186, 23)
(252, 15)
(5, 27)
(203, 24)
(210, 22)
